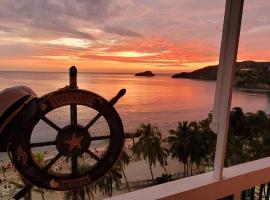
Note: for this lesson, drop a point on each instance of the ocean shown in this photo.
(159, 100)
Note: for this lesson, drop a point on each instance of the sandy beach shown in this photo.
(137, 170)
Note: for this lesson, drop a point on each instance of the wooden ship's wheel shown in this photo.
(72, 141)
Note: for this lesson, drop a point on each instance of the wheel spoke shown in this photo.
(74, 165)
(48, 166)
(73, 114)
(92, 121)
(102, 137)
(42, 144)
(93, 155)
(50, 123)
(113, 101)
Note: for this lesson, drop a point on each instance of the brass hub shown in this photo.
(73, 141)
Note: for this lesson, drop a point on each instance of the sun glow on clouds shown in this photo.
(62, 57)
(123, 35)
(129, 54)
(8, 40)
(72, 42)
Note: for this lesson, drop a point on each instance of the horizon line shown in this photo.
(90, 72)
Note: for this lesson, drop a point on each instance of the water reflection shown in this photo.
(160, 100)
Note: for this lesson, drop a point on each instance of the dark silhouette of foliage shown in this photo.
(191, 143)
(106, 183)
(122, 162)
(164, 178)
(149, 146)
(248, 137)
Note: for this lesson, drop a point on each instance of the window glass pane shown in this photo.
(110, 41)
(249, 124)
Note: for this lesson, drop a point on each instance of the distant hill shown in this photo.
(206, 73)
(249, 74)
(146, 73)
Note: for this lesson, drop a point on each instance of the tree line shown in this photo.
(193, 145)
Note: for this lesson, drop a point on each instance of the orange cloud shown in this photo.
(123, 35)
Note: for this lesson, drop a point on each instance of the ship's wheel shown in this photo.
(72, 142)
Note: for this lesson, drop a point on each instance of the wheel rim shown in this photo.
(71, 141)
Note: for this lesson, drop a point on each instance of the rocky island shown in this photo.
(249, 74)
(146, 74)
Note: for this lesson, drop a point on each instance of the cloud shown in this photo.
(63, 17)
(164, 33)
(122, 31)
(5, 28)
(155, 51)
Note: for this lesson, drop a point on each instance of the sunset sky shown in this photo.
(124, 35)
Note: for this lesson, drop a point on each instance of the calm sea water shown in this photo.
(160, 100)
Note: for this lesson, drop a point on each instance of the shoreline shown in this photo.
(133, 170)
(136, 171)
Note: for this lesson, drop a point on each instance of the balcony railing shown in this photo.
(234, 185)
(236, 182)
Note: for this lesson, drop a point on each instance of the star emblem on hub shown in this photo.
(74, 142)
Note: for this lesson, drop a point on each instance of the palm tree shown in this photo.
(206, 141)
(28, 195)
(196, 151)
(162, 155)
(237, 137)
(87, 189)
(182, 142)
(82, 191)
(248, 137)
(149, 146)
(258, 129)
(122, 162)
(237, 121)
(105, 184)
